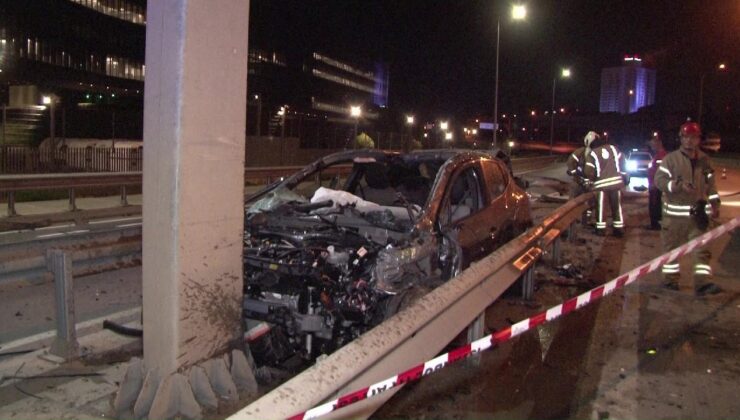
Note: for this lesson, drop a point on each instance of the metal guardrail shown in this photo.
(11, 184)
(416, 333)
(91, 253)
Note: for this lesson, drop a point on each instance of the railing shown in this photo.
(10, 184)
(418, 332)
(24, 159)
(91, 252)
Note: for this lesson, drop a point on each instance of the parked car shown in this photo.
(341, 245)
(638, 162)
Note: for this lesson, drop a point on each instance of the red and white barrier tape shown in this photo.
(498, 337)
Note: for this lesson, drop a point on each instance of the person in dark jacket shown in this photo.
(654, 203)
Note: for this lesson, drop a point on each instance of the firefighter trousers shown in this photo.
(677, 231)
(614, 197)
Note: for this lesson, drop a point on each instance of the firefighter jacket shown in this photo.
(677, 170)
(604, 166)
(653, 167)
(575, 164)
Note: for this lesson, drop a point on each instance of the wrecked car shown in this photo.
(341, 245)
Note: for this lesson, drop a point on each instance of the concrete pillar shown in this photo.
(194, 136)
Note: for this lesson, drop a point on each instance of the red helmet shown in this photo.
(690, 128)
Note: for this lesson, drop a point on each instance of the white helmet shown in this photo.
(590, 137)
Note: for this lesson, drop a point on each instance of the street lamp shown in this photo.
(444, 125)
(410, 123)
(564, 73)
(355, 111)
(720, 67)
(50, 101)
(518, 12)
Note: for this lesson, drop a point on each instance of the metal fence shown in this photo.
(26, 160)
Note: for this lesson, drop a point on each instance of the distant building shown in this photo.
(318, 91)
(83, 57)
(627, 88)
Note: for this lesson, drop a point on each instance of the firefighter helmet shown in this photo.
(591, 136)
(690, 128)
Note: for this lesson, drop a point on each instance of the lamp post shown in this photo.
(281, 112)
(258, 98)
(564, 73)
(50, 101)
(518, 12)
(410, 124)
(720, 67)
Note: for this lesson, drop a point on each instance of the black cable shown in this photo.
(123, 330)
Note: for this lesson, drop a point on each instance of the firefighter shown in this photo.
(575, 168)
(604, 168)
(654, 206)
(690, 198)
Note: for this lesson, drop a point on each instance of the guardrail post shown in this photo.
(556, 252)
(72, 203)
(65, 344)
(476, 330)
(571, 233)
(124, 196)
(528, 283)
(11, 204)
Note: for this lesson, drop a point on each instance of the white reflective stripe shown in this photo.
(703, 272)
(597, 163)
(710, 175)
(659, 161)
(573, 155)
(613, 178)
(670, 270)
(714, 197)
(600, 219)
(607, 184)
(590, 164)
(670, 186)
(677, 213)
(677, 206)
(616, 157)
(704, 266)
(672, 265)
(663, 168)
(619, 223)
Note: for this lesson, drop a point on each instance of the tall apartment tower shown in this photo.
(627, 88)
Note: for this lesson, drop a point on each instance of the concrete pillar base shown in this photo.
(242, 373)
(146, 395)
(175, 399)
(131, 385)
(221, 381)
(187, 394)
(202, 388)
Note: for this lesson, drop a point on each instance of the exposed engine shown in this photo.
(312, 277)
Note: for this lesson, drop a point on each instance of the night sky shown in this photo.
(441, 54)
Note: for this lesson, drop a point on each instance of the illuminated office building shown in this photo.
(627, 88)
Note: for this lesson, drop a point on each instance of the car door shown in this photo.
(499, 212)
(461, 217)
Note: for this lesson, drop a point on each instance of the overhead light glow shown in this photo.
(519, 12)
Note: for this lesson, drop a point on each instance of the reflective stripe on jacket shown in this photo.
(676, 171)
(575, 162)
(604, 167)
